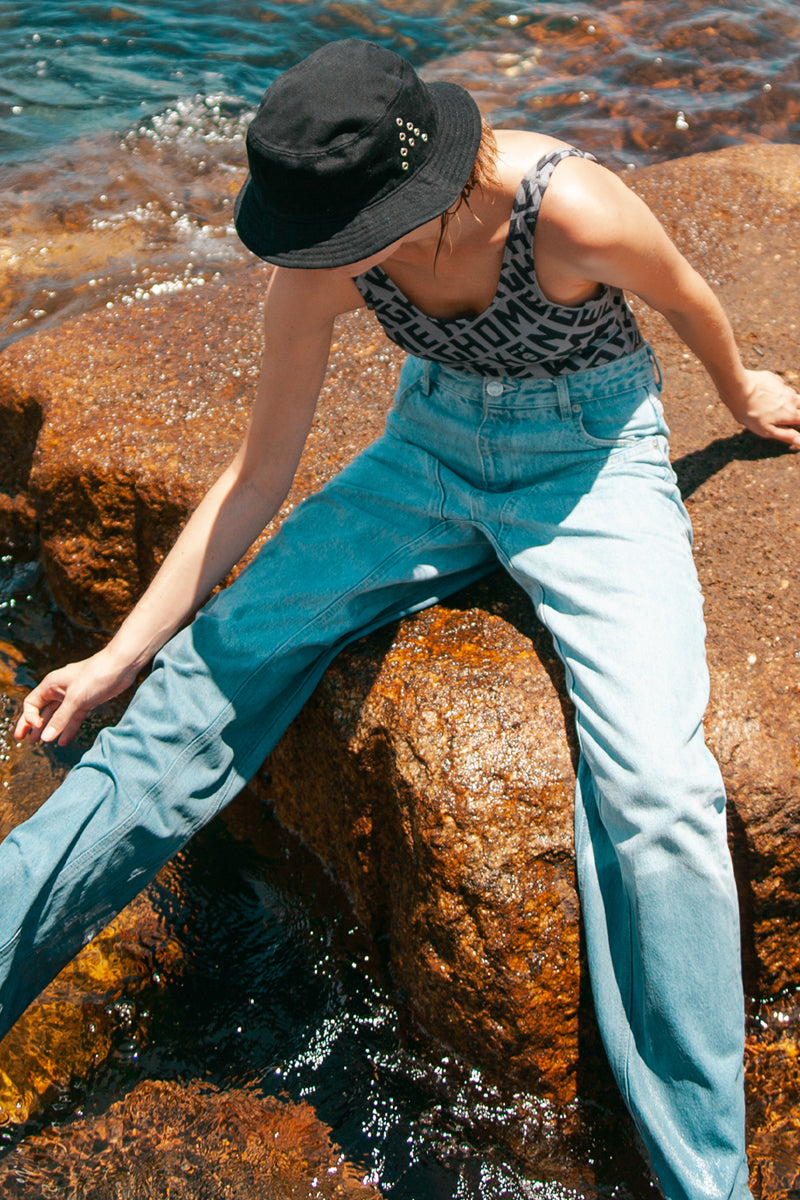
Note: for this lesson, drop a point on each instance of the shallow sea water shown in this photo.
(121, 125)
(120, 154)
(67, 70)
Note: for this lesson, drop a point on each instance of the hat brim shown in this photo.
(426, 194)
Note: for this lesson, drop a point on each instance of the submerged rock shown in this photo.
(773, 1077)
(186, 1141)
(81, 1018)
(432, 769)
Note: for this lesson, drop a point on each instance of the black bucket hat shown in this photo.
(348, 152)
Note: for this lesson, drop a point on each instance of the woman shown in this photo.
(527, 427)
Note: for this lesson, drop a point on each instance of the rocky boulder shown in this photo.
(433, 768)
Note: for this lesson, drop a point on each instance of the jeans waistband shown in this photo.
(498, 391)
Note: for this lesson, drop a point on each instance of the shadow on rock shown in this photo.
(696, 467)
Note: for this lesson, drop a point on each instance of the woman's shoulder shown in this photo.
(520, 150)
(317, 295)
(532, 158)
(579, 200)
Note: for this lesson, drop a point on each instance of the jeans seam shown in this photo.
(629, 1008)
(624, 1075)
(479, 450)
(622, 452)
(442, 495)
(10, 944)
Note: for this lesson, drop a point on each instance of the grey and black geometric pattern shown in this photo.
(521, 333)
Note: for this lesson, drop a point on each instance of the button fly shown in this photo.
(494, 388)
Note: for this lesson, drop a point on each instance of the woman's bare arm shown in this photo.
(298, 319)
(598, 230)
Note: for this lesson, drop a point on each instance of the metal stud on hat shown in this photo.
(407, 137)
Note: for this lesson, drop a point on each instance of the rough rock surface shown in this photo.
(442, 799)
(80, 1019)
(432, 769)
(773, 1078)
(186, 1141)
(116, 424)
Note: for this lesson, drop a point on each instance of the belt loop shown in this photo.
(425, 382)
(656, 366)
(564, 405)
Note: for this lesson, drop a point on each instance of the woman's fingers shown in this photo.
(771, 408)
(56, 707)
(37, 709)
(48, 710)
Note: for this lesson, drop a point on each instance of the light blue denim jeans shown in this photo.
(567, 483)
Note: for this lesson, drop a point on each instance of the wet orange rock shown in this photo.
(117, 423)
(773, 1078)
(185, 1141)
(432, 769)
(78, 1020)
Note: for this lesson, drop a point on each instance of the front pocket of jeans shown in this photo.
(619, 420)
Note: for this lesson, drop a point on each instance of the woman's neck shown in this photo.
(455, 273)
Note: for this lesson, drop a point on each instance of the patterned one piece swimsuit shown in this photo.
(521, 334)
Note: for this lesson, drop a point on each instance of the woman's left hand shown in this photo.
(769, 407)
